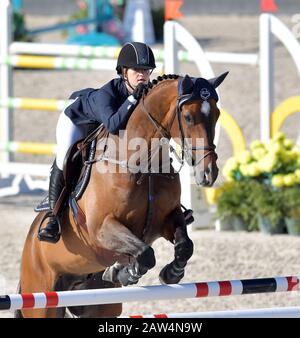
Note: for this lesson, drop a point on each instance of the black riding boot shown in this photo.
(51, 233)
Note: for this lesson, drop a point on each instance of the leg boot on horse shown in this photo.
(51, 233)
(176, 232)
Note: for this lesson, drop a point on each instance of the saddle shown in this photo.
(77, 170)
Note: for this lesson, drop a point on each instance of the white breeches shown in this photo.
(67, 133)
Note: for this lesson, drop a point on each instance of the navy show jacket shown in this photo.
(108, 105)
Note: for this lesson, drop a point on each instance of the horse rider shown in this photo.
(111, 105)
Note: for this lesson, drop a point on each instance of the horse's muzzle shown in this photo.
(208, 176)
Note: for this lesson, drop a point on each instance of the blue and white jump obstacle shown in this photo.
(147, 293)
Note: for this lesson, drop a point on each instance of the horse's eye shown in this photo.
(188, 118)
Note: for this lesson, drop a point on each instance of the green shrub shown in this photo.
(291, 201)
(236, 200)
(268, 203)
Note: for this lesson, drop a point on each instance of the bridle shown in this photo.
(186, 152)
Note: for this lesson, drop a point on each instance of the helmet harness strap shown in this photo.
(126, 80)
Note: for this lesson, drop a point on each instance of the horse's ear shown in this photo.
(216, 81)
(186, 85)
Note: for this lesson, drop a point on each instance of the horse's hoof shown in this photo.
(110, 275)
(166, 277)
(126, 278)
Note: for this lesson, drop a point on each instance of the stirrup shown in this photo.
(56, 237)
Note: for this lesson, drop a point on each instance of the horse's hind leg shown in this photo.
(116, 237)
(38, 285)
(37, 276)
(88, 282)
(176, 232)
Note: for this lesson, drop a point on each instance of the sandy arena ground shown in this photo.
(217, 256)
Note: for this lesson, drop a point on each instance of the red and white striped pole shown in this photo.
(146, 293)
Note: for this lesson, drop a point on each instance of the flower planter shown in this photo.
(224, 224)
(267, 227)
(293, 226)
(239, 224)
(233, 223)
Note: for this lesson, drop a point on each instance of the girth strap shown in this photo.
(150, 205)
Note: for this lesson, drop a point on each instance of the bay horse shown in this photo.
(126, 212)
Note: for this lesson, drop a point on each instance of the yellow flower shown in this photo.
(253, 169)
(295, 152)
(230, 165)
(244, 168)
(289, 156)
(268, 163)
(277, 181)
(289, 179)
(227, 174)
(229, 178)
(288, 144)
(297, 173)
(259, 153)
(244, 157)
(274, 147)
(257, 144)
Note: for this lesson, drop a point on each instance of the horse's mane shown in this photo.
(154, 82)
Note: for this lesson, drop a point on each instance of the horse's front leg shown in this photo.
(116, 237)
(176, 231)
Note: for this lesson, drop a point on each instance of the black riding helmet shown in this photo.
(135, 55)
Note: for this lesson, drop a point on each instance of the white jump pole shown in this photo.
(269, 26)
(290, 42)
(5, 74)
(266, 76)
(175, 34)
(279, 312)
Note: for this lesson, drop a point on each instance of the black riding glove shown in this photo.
(139, 90)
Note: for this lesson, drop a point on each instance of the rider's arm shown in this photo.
(108, 110)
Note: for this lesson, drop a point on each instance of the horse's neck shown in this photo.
(158, 103)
